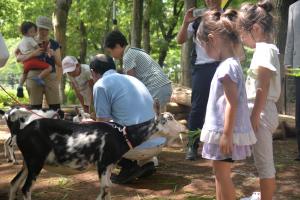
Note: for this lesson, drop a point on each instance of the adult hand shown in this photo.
(188, 17)
(226, 144)
(37, 52)
(287, 69)
(255, 121)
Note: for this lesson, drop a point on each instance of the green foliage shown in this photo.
(96, 15)
(71, 96)
(246, 64)
(6, 100)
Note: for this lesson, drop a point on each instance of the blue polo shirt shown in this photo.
(122, 98)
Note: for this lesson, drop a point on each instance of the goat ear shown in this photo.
(61, 113)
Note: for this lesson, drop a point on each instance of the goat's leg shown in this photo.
(105, 183)
(9, 149)
(17, 181)
(6, 148)
(34, 169)
(11, 145)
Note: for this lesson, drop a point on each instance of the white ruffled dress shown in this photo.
(243, 135)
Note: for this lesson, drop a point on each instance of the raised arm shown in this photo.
(182, 35)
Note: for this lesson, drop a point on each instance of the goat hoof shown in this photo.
(16, 163)
(9, 161)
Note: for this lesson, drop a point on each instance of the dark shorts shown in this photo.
(228, 160)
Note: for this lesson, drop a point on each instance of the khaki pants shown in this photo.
(263, 149)
(36, 92)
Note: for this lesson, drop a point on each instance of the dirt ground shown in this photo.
(175, 179)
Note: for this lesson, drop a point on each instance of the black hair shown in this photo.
(25, 26)
(114, 38)
(101, 66)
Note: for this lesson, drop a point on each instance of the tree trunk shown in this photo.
(59, 19)
(136, 29)
(186, 52)
(146, 26)
(83, 41)
(282, 7)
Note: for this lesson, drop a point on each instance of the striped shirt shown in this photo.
(146, 69)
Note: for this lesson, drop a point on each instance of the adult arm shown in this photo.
(289, 48)
(231, 95)
(263, 77)
(22, 57)
(58, 65)
(79, 96)
(131, 72)
(91, 85)
(183, 33)
(4, 54)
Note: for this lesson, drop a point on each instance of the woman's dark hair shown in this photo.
(221, 23)
(102, 64)
(260, 13)
(114, 38)
(25, 26)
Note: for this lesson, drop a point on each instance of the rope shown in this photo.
(19, 103)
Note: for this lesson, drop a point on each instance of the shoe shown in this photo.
(254, 196)
(39, 81)
(147, 170)
(193, 144)
(20, 93)
(126, 175)
(191, 153)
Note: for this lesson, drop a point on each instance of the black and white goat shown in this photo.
(69, 147)
(10, 142)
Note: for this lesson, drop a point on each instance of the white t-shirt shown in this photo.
(81, 83)
(265, 55)
(4, 54)
(202, 56)
(27, 45)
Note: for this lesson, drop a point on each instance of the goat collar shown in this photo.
(126, 138)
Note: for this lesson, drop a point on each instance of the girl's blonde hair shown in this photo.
(260, 13)
(223, 24)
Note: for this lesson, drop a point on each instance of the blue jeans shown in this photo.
(201, 79)
(163, 94)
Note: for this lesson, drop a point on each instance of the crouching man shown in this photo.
(126, 101)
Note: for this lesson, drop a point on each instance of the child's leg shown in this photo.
(45, 72)
(263, 158)
(224, 184)
(218, 190)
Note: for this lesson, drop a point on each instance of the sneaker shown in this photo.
(254, 196)
(129, 175)
(147, 170)
(126, 175)
(20, 93)
(191, 153)
(39, 81)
